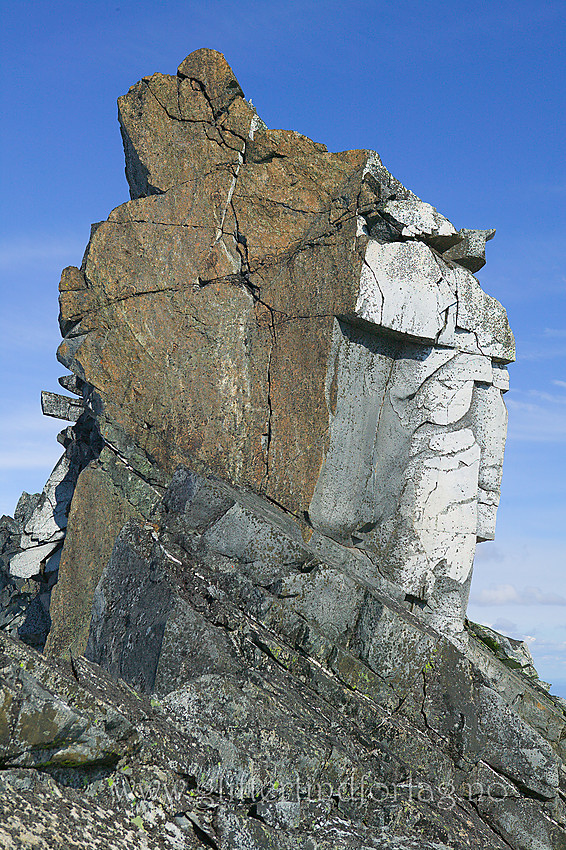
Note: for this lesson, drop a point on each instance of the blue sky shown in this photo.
(465, 103)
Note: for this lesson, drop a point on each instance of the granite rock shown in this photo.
(285, 344)
(254, 556)
(470, 250)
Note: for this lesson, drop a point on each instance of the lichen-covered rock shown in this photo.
(289, 439)
(254, 633)
(515, 654)
(289, 319)
(279, 702)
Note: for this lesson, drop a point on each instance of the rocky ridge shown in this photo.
(254, 555)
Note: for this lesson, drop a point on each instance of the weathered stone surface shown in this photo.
(264, 522)
(16, 594)
(134, 570)
(198, 752)
(72, 384)
(98, 511)
(415, 219)
(470, 250)
(25, 507)
(67, 738)
(45, 526)
(256, 633)
(49, 519)
(28, 563)
(515, 654)
(229, 355)
(61, 406)
(35, 551)
(234, 618)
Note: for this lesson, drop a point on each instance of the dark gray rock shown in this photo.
(130, 610)
(25, 508)
(521, 824)
(306, 687)
(72, 384)
(16, 594)
(470, 250)
(61, 406)
(35, 627)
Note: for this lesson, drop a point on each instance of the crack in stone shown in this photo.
(180, 116)
(162, 105)
(523, 789)
(262, 629)
(446, 312)
(222, 143)
(159, 223)
(491, 825)
(297, 318)
(242, 249)
(270, 260)
(274, 202)
(365, 262)
(428, 727)
(372, 563)
(219, 232)
(204, 92)
(114, 449)
(102, 306)
(456, 504)
(268, 435)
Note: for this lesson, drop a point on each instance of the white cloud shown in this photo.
(25, 251)
(535, 422)
(488, 551)
(504, 595)
(551, 398)
(506, 627)
(29, 457)
(508, 594)
(28, 440)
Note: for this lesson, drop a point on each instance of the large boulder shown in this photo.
(288, 319)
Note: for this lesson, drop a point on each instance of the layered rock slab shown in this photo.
(291, 701)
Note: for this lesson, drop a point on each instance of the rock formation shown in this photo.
(288, 438)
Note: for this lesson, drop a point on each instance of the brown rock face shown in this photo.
(203, 314)
(289, 320)
(98, 513)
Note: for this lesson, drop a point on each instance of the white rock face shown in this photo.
(489, 417)
(440, 501)
(415, 218)
(401, 288)
(412, 473)
(45, 529)
(49, 519)
(27, 563)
